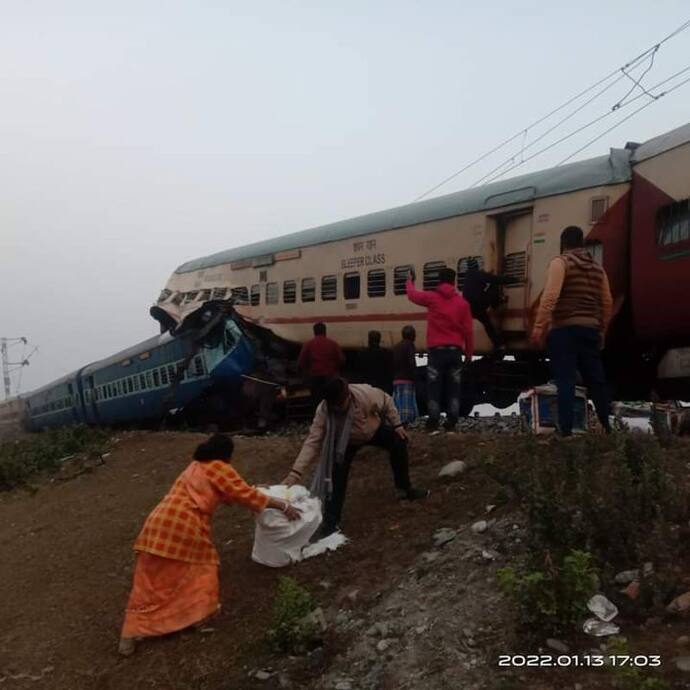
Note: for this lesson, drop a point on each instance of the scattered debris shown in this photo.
(602, 608)
(599, 628)
(480, 526)
(680, 604)
(443, 536)
(453, 469)
(557, 646)
(627, 576)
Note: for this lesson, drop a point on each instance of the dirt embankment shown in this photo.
(66, 562)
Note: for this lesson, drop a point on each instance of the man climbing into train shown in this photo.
(349, 417)
(481, 289)
(449, 336)
(571, 321)
(319, 360)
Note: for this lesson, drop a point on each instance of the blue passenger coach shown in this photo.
(142, 382)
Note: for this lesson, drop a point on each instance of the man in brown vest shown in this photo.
(573, 315)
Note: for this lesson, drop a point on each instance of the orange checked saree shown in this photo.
(176, 574)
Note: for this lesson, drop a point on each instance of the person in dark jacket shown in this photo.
(482, 291)
(320, 359)
(376, 364)
(405, 375)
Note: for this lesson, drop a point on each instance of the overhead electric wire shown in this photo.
(595, 121)
(646, 105)
(630, 64)
(548, 131)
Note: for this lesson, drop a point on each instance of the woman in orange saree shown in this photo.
(176, 573)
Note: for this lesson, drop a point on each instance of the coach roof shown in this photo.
(595, 172)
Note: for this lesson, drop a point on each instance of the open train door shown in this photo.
(514, 238)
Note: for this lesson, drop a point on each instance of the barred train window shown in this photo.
(431, 271)
(191, 296)
(271, 293)
(462, 268)
(240, 295)
(255, 295)
(515, 265)
(204, 295)
(219, 293)
(329, 288)
(400, 278)
(308, 289)
(290, 291)
(351, 285)
(673, 223)
(376, 283)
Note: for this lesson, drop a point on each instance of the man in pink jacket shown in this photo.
(449, 336)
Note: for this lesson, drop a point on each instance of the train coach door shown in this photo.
(514, 239)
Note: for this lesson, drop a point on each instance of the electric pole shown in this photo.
(5, 344)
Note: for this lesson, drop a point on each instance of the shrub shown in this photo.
(291, 630)
(552, 600)
(19, 460)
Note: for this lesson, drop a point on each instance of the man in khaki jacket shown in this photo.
(349, 417)
(571, 321)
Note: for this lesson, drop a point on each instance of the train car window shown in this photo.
(376, 283)
(177, 299)
(515, 265)
(598, 207)
(130, 385)
(165, 294)
(164, 376)
(219, 293)
(204, 295)
(171, 372)
(289, 291)
(431, 270)
(271, 293)
(149, 380)
(142, 382)
(198, 366)
(462, 268)
(351, 285)
(673, 223)
(400, 278)
(596, 249)
(136, 383)
(255, 295)
(329, 288)
(191, 296)
(308, 289)
(156, 378)
(240, 295)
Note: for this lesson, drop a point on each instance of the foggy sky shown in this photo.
(135, 136)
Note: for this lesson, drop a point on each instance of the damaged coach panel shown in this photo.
(158, 376)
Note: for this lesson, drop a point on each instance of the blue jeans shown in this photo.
(573, 348)
(444, 370)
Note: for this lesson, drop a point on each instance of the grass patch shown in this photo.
(42, 452)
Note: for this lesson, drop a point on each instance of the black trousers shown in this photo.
(444, 373)
(385, 437)
(316, 386)
(480, 314)
(573, 348)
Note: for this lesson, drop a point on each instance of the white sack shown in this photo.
(279, 541)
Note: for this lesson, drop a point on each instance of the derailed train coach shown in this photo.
(632, 204)
(202, 364)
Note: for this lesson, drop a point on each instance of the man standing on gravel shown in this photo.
(351, 416)
(573, 315)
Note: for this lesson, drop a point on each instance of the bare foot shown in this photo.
(127, 646)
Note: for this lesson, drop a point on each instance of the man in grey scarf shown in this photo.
(351, 416)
